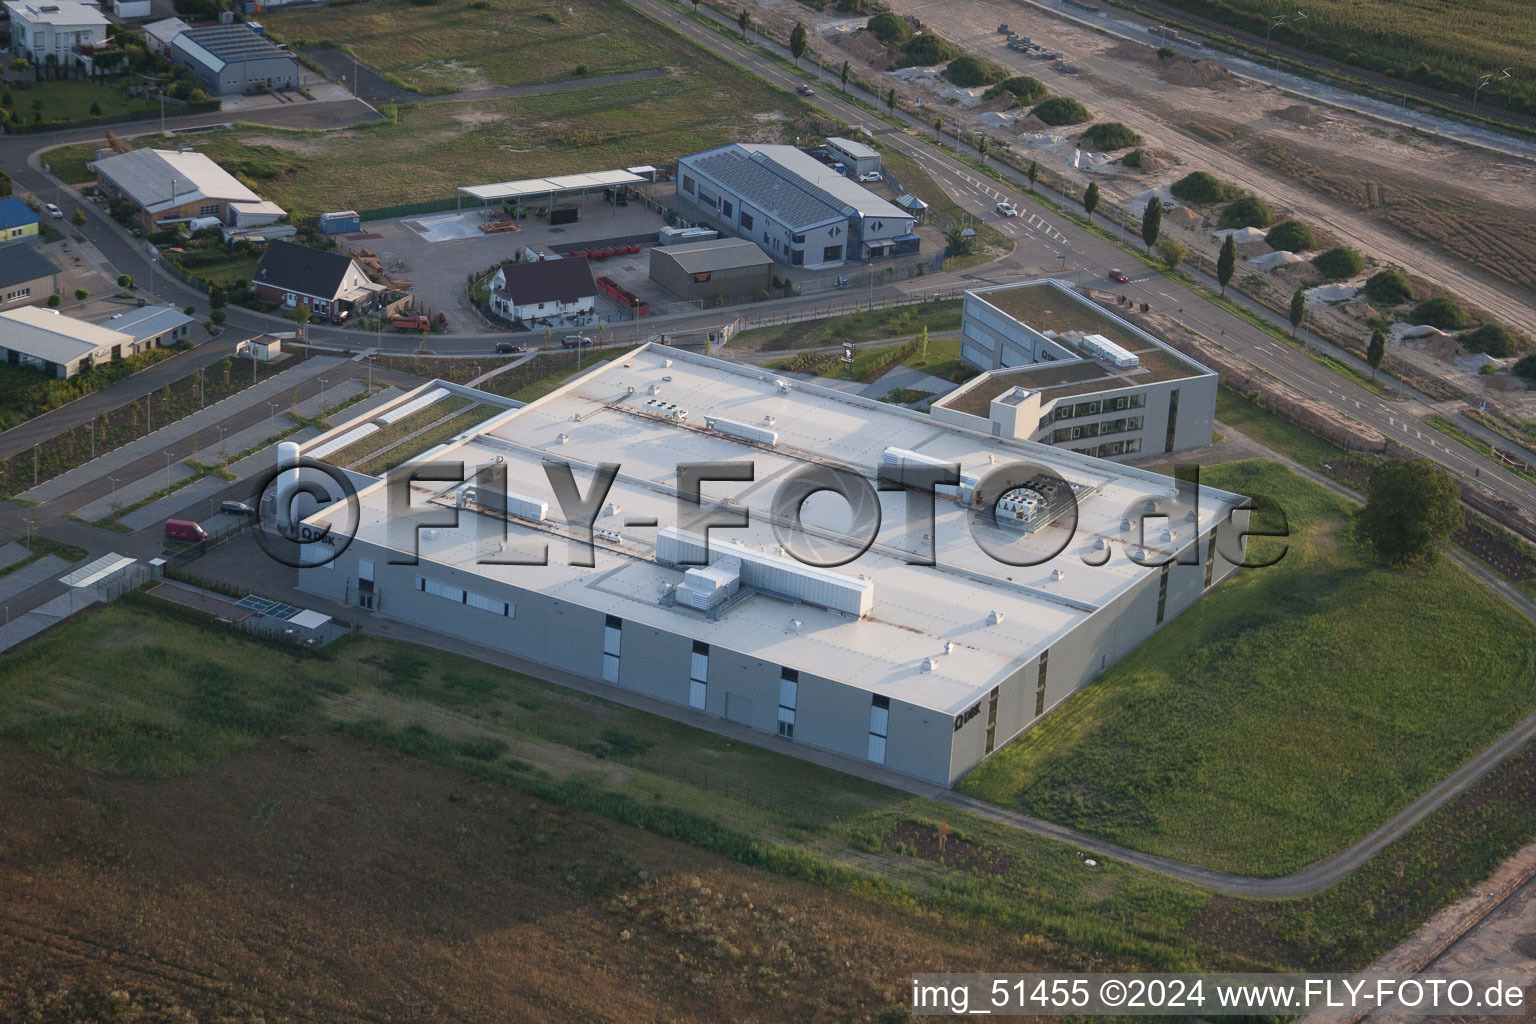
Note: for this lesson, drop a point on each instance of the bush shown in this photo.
(217, 316)
(1201, 187)
(81, 294)
(1442, 312)
(1247, 212)
(1134, 158)
(1389, 288)
(1111, 135)
(54, 300)
(1166, 52)
(1291, 236)
(1339, 262)
(889, 28)
(966, 71)
(1061, 110)
(1525, 369)
(1024, 88)
(1494, 339)
(929, 49)
(580, 71)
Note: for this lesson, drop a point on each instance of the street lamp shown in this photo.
(167, 469)
(221, 429)
(271, 414)
(1480, 83)
(1274, 23)
(322, 396)
(114, 489)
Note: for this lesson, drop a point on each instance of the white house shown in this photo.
(158, 35)
(57, 29)
(545, 292)
(58, 345)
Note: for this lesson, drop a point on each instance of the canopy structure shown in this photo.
(92, 573)
(566, 184)
(907, 201)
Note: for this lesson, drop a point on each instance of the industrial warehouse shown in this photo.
(923, 668)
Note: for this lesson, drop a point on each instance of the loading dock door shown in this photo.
(738, 708)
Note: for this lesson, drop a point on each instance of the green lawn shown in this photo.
(453, 44)
(433, 149)
(1268, 429)
(872, 325)
(1285, 716)
(66, 100)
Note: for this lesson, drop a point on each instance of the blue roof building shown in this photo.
(16, 219)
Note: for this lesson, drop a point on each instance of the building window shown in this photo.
(688, 184)
(1045, 663)
(726, 209)
(1162, 593)
(797, 257)
(1063, 412)
(701, 277)
(831, 252)
(1062, 434)
(1138, 401)
(19, 293)
(1133, 445)
(746, 221)
(797, 239)
(992, 719)
(613, 636)
(208, 210)
(698, 675)
(879, 726)
(1086, 409)
(789, 696)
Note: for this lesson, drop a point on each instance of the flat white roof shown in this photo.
(857, 150)
(45, 334)
(92, 573)
(58, 12)
(525, 187)
(915, 609)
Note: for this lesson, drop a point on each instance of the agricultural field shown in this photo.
(558, 831)
(1289, 717)
(427, 151)
(458, 45)
(1439, 44)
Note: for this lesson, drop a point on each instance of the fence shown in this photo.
(409, 209)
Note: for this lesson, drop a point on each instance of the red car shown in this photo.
(1118, 275)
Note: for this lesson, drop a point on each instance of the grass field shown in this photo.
(873, 325)
(457, 45)
(1287, 716)
(67, 100)
(433, 149)
(1412, 40)
(195, 693)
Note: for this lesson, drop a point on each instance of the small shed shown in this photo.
(732, 269)
(342, 222)
(262, 348)
(857, 157)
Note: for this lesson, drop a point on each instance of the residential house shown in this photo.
(158, 35)
(333, 286)
(17, 220)
(26, 276)
(55, 33)
(58, 345)
(169, 187)
(552, 292)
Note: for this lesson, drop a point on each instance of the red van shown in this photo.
(182, 529)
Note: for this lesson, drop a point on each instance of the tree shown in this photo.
(54, 300)
(1226, 263)
(797, 42)
(922, 343)
(938, 129)
(1034, 173)
(1339, 262)
(890, 98)
(81, 294)
(78, 219)
(966, 71)
(744, 20)
(1170, 252)
(95, 109)
(1091, 198)
(1152, 222)
(889, 28)
(1389, 287)
(845, 74)
(1376, 350)
(301, 315)
(1298, 311)
(1412, 509)
(125, 281)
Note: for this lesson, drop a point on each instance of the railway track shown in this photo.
(1306, 58)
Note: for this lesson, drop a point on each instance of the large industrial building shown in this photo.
(1062, 370)
(798, 209)
(230, 60)
(923, 653)
(174, 187)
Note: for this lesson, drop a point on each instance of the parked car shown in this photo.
(805, 90)
(1007, 209)
(871, 176)
(54, 211)
(507, 348)
(1118, 275)
(184, 529)
(575, 340)
(237, 508)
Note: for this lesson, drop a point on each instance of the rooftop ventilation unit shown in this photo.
(1101, 347)
(774, 574)
(742, 431)
(707, 587)
(994, 618)
(505, 503)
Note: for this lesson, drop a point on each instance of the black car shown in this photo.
(507, 348)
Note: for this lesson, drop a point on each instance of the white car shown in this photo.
(1007, 209)
(54, 211)
(871, 176)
